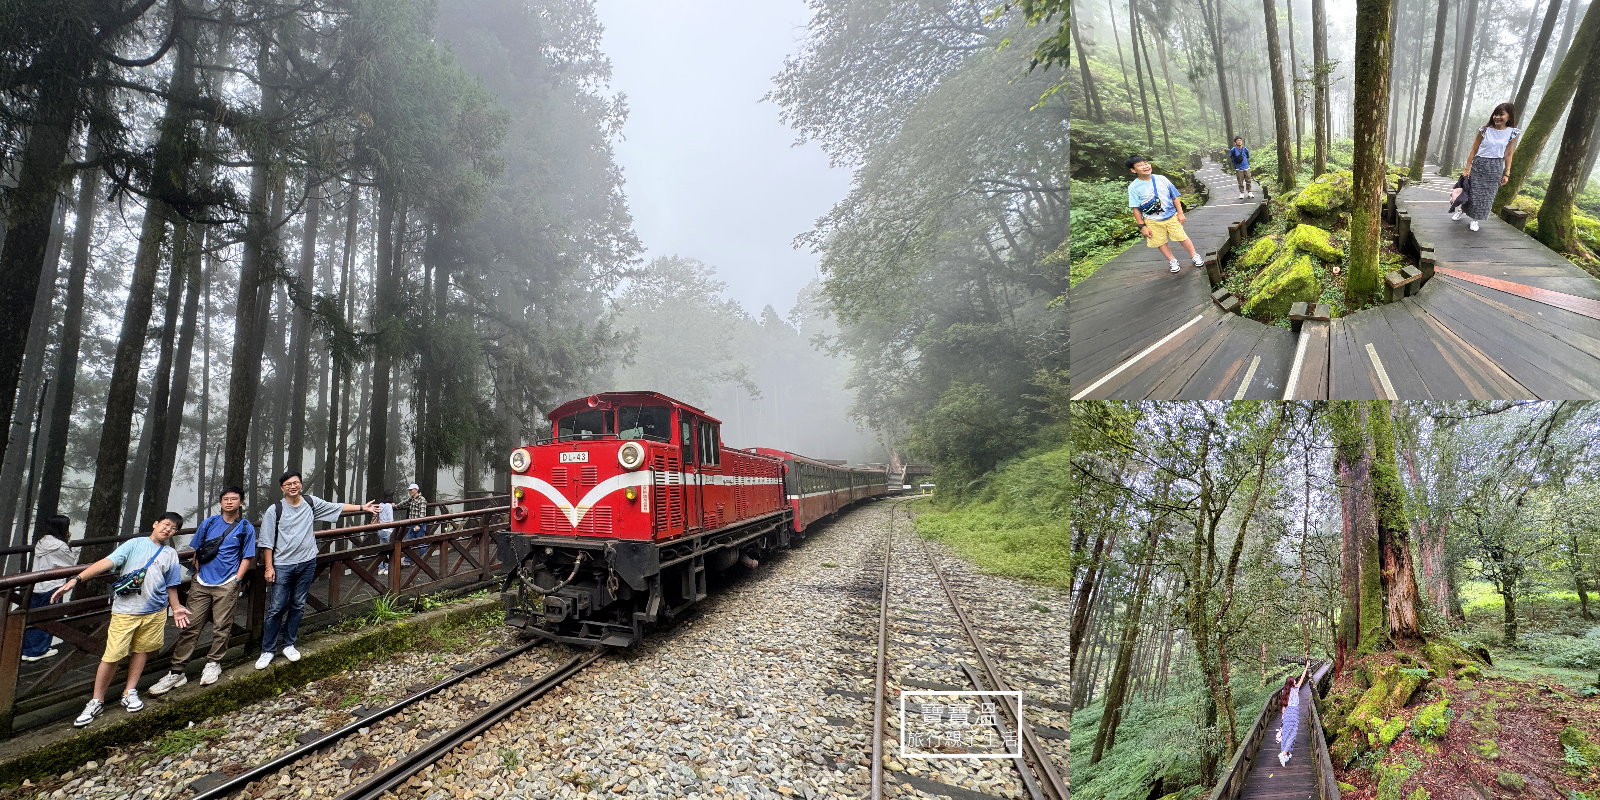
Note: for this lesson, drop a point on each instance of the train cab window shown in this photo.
(590, 424)
(710, 447)
(644, 422)
(686, 435)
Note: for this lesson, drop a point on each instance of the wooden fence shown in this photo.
(458, 550)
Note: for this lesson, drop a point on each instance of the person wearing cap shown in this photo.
(288, 546)
(415, 506)
(1154, 202)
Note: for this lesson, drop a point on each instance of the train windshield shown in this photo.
(645, 422)
(585, 425)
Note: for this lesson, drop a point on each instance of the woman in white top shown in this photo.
(50, 550)
(1490, 165)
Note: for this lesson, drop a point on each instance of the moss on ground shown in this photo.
(1328, 194)
(1315, 241)
(364, 646)
(1288, 280)
(1259, 253)
(1433, 721)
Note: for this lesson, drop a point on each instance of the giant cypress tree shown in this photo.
(1374, 47)
(1381, 601)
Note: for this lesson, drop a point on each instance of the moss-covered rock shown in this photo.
(1259, 253)
(1346, 788)
(1314, 240)
(1389, 731)
(1489, 749)
(1512, 781)
(1329, 193)
(1433, 721)
(1357, 719)
(1391, 777)
(1581, 755)
(1418, 793)
(1287, 280)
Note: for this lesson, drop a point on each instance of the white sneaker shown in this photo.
(1456, 216)
(1173, 265)
(1249, 194)
(1241, 195)
(263, 661)
(168, 682)
(1278, 737)
(291, 653)
(131, 701)
(52, 651)
(1472, 226)
(1283, 758)
(90, 711)
(1199, 261)
(212, 672)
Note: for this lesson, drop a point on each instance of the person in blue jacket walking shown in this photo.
(1240, 156)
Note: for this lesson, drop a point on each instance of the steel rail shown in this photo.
(417, 760)
(880, 681)
(1054, 785)
(1000, 727)
(244, 779)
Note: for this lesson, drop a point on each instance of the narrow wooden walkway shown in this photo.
(1137, 330)
(1503, 317)
(1270, 780)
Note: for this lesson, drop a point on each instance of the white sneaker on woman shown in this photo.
(1283, 758)
(1472, 226)
(1457, 215)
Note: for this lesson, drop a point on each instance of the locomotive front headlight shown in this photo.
(630, 455)
(520, 459)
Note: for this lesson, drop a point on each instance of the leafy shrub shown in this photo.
(1564, 651)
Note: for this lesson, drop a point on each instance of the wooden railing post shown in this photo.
(12, 626)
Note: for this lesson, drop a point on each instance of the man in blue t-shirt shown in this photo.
(214, 590)
(1154, 201)
(1239, 155)
(138, 613)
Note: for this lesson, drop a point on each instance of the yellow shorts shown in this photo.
(1163, 229)
(138, 633)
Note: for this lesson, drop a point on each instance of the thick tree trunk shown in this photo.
(153, 436)
(1083, 71)
(1361, 615)
(1420, 153)
(383, 319)
(1138, 72)
(1320, 66)
(1563, 84)
(244, 378)
(1466, 35)
(1212, 11)
(31, 211)
(1402, 600)
(1555, 214)
(158, 487)
(300, 331)
(29, 390)
(111, 462)
(1373, 50)
(54, 445)
(1106, 735)
(1280, 100)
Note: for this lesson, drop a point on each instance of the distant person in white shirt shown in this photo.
(50, 551)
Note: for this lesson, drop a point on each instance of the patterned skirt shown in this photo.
(1482, 185)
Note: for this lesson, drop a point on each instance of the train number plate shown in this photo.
(579, 457)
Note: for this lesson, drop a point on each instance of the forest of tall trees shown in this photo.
(1409, 83)
(1212, 540)
(373, 241)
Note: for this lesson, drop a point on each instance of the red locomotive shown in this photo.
(616, 520)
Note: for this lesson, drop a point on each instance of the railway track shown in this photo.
(435, 747)
(1041, 779)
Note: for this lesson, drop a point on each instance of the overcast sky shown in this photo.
(711, 172)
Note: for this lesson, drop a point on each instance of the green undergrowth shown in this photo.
(1014, 524)
(1586, 226)
(1556, 645)
(167, 722)
(1159, 746)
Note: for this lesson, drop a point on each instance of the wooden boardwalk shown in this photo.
(1270, 780)
(1503, 317)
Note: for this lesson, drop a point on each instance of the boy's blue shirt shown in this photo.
(240, 545)
(1241, 157)
(1140, 192)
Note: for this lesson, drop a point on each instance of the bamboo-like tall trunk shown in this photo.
(1566, 180)
(1280, 100)
(300, 329)
(1465, 40)
(1319, 58)
(1420, 152)
(1087, 77)
(1536, 56)
(1212, 11)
